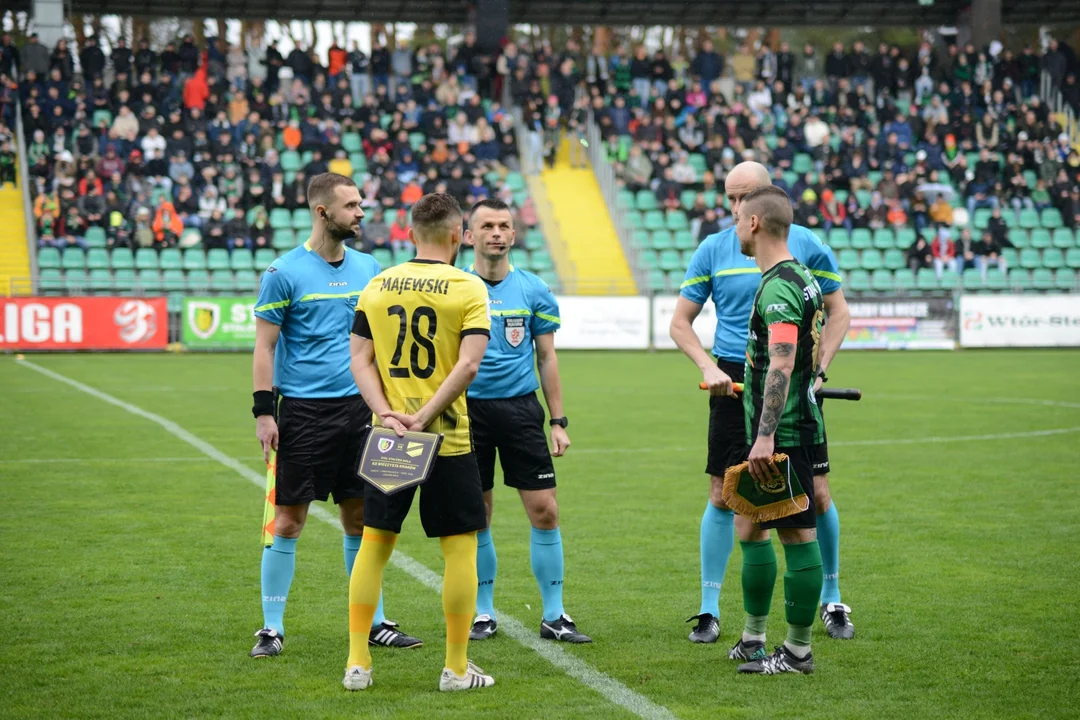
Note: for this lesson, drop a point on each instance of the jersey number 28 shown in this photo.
(422, 339)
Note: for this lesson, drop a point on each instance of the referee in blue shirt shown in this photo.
(303, 318)
(720, 271)
(507, 418)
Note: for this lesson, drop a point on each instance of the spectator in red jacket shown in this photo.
(833, 213)
(944, 251)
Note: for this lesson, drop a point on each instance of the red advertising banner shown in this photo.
(83, 323)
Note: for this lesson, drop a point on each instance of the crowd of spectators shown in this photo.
(150, 146)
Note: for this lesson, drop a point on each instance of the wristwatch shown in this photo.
(561, 422)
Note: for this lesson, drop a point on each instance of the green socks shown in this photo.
(802, 591)
(758, 580)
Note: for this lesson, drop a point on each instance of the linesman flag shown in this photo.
(268, 506)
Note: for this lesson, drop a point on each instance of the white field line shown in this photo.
(612, 689)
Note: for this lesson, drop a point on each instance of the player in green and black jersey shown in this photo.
(782, 416)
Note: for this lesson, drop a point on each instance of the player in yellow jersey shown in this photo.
(419, 334)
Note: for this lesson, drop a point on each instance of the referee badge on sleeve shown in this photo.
(515, 330)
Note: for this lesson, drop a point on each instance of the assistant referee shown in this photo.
(302, 320)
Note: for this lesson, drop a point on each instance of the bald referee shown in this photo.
(720, 271)
(302, 321)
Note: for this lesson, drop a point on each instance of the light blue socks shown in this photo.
(486, 565)
(546, 554)
(828, 533)
(717, 541)
(278, 566)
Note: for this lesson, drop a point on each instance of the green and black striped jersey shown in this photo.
(788, 294)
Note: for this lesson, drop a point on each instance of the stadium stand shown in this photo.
(186, 171)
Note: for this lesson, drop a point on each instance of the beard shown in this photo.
(339, 232)
(746, 247)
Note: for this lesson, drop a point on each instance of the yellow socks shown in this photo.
(458, 596)
(365, 586)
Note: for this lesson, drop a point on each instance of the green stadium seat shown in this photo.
(75, 281)
(790, 178)
(170, 259)
(100, 282)
(247, 281)
(146, 259)
(198, 282)
(290, 161)
(1072, 258)
(624, 200)
(122, 259)
(632, 220)
(385, 257)
(217, 259)
(124, 281)
(894, 259)
(351, 142)
(884, 239)
(222, 281)
(839, 239)
(50, 280)
(662, 240)
(687, 256)
(687, 198)
(191, 238)
(97, 259)
(74, 259)
(648, 260)
(541, 261)
(1010, 256)
(48, 258)
(1062, 238)
(802, 164)
(1030, 259)
(149, 282)
(676, 220)
(1050, 218)
(654, 220)
(882, 281)
(263, 258)
(861, 239)
(408, 253)
(1053, 258)
(904, 280)
(972, 280)
(950, 280)
(1065, 280)
(1019, 237)
(1042, 279)
(645, 200)
(863, 198)
(95, 237)
(995, 280)
(1040, 238)
(926, 279)
(301, 219)
(656, 281)
(671, 260)
(981, 218)
(173, 280)
(551, 278)
(684, 240)
(859, 280)
(905, 238)
(102, 115)
(874, 176)
(194, 259)
(280, 218)
(284, 239)
(516, 181)
(1010, 219)
(821, 235)
(522, 259)
(240, 259)
(641, 239)
(711, 198)
(871, 260)
(1019, 280)
(848, 260)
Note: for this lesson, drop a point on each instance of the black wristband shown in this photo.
(821, 374)
(264, 403)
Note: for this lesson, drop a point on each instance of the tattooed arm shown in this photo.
(782, 338)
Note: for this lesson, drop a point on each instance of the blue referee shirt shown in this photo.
(720, 270)
(522, 307)
(313, 302)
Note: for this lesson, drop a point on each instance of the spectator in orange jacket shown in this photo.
(196, 89)
(337, 60)
(167, 225)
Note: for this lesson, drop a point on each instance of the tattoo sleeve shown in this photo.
(776, 389)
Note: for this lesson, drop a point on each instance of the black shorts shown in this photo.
(451, 501)
(727, 426)
(799, 459)
(318, 441)
(515, 428)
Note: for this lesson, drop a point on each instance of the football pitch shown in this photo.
(129, 556)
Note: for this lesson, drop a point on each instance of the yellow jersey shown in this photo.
(416, 314)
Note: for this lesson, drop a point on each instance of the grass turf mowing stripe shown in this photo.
(608, 687)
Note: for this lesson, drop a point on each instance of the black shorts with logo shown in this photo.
(799, 460)
(727, 431)
(451, 501)
(318, 440)
(515, 428)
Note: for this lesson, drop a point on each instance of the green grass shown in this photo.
(130, 584)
